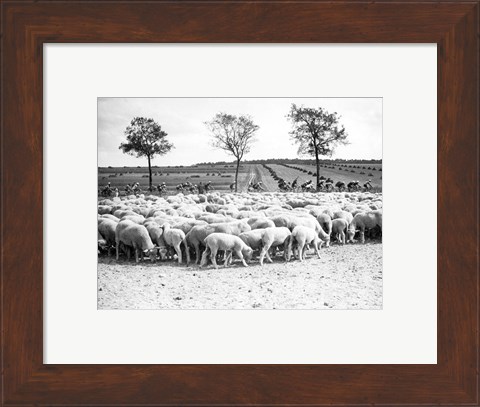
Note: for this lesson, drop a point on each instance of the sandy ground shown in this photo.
(348, 277)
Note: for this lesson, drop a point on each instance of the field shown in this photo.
(345, 277)
(222, 175)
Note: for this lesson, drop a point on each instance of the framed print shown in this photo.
(239, 173)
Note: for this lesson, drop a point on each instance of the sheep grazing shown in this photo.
(273, 237)
(343, 215)
(364, 221)
(228, 243)
(265, 222)
(156, 234)
(102, 244)
(339, 227)
(325, 222)
(111, 217)
(260, 223)
(197, 234)
(303, 236)
(106, 228)
(136, 236)
(173, 238)
(253, 238)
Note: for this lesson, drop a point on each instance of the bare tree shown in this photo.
(233, 134)
(316, 131)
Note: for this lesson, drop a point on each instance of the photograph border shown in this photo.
(316, 98)
(26, 26)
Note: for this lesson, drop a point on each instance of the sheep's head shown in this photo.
(247, 253)
(151, 253)
(163, 251)
(350, 235)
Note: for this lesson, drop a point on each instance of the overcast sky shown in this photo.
(183, 119)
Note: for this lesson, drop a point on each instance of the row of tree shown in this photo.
(316, 131)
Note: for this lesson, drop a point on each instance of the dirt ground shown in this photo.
(345, 277)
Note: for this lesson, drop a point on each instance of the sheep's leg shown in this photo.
(342, 237)
(305, 249)
(239, 254)
(204, 262)
(316, 245)
(267, 255)
(213, 257)
(262, 253)
(197, 252)
(362, 236)
(287, 250)
(117, 249)
(301, 251)
(187, 251)
(228, 258)
(136, 255)
(178, 250)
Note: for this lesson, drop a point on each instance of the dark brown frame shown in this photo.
(28, 25)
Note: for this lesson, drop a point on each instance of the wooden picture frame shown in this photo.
(453, 26)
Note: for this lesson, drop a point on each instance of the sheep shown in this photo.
(343, 215)
(174, 237)
(339, 226)
(311, 223)
(131, 234)
(120, 213)
(325, 222)
(104, 209)
(253, 238)
(363, 221)
(197, 234)
(139, 219)
(260, 223)
(106, 228)
(229, 243)
(273, 237)
(187, 225)
(303, 236)
(102, 244)
(156, 234)
(112, 217)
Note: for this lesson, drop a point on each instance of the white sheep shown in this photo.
(228, 243)
(339, 227)
(173, 238)
(325, 222)
(303, 237)
(364, 221)
(136, 236)
(197, 234)
(106, 228)
(273, 237)
(260, 223)
(343, 215)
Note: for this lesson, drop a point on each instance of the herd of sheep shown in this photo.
(203, 227)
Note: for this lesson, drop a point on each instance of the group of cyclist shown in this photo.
(324, 184)
(201, 188)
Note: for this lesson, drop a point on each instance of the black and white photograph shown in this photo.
(240, 203)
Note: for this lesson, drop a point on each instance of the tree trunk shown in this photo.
(149, 173)
(318, 169)
(236, 174)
